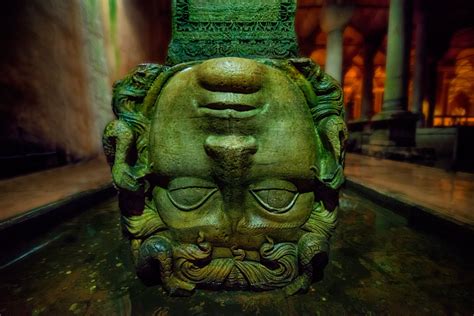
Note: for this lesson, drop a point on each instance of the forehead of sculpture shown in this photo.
(234, 108)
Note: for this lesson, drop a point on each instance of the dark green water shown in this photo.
(378, 265)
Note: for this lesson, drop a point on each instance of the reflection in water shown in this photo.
(377, 264)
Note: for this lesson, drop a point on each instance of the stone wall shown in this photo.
(59, 60)
(54, 87)
(98, 75)
(452, 146)
(137, 31)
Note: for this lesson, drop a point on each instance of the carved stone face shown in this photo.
(228, 171)
(232, 144)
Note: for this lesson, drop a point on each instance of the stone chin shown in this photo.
(226, 176)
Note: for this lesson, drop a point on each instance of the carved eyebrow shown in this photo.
(276, 184)
(189, 182)
(260, 188)
(192, 187)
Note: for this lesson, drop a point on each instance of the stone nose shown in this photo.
(231, 74)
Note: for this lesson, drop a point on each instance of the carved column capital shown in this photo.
(335, 16)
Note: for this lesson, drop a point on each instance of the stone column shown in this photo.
(432, 84)
(333, 21)
(334, 54)
(398, 46)
(419, 77)
(360, 128)
(393, 129)
(367, 109)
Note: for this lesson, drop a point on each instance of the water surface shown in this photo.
(377, 265)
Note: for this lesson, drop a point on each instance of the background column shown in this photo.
(398, 47)
(419, 77)
(367, 109)
(393, 129)
(335, 16)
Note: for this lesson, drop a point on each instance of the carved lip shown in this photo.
(229, 110)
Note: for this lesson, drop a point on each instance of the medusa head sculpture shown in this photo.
(228, 159)
(228, 171)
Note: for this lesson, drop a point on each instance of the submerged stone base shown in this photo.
(422, 155)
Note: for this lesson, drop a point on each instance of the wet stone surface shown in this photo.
(377, 265)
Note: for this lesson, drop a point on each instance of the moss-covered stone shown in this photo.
(228, 168)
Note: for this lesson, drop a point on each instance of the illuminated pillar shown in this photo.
(398, 46)
(334, 54)
(393, 129)
(333, 21)
(419, 77)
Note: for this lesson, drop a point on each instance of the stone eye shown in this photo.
(276, 196)
(188, 194)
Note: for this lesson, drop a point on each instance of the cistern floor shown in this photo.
(31, 192)
(377, 265)
(449, 195)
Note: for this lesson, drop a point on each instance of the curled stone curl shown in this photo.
(278, 267)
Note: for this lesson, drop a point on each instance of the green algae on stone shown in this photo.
(228, 160)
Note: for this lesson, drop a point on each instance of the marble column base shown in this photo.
(392, 136)
(393, 128)
(419, 155)
(359, 134)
